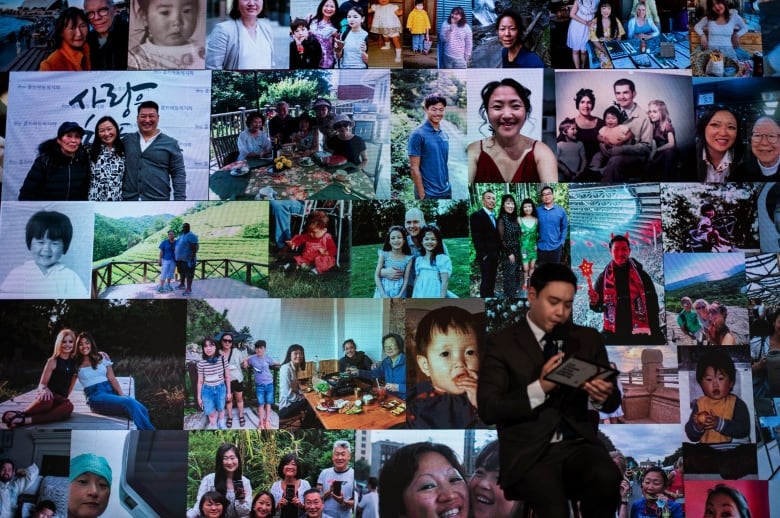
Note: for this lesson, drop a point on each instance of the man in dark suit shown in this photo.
(484, 234)
(549, 452)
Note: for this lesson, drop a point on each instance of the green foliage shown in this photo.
(682, 212)
(255, 230)
(302, 284)
(252, 90)
(203, 321)
(401, 126)
(364, 261)
(372, 219)
(456, 119)
(728, 291)
(295, 91)
(261, 452)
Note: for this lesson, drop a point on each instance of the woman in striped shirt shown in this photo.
(213, 377)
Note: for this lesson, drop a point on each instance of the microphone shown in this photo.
(559, 333)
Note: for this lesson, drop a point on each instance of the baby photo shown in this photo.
(42, 259)
(167, 35)
(445, 340)
(717, 384)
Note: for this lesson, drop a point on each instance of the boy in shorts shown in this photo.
(264, 383)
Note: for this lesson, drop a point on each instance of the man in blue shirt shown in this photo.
(553, 227)
(428, 153)
(186, 249)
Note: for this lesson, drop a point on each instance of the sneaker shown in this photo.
(181, 287)
(314, 271)
(186, 292)
(397, 58)
(160, 289)
(168, 287)
(221, 426)
(386, 46)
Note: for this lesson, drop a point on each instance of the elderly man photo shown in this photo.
(154, 161)
(428, 150)
(323, 118)
(282, 126)
(109, 35)
(631, 156)
(337, 484)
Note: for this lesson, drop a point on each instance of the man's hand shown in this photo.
(598, 390)
(547, 368)
(593, 297)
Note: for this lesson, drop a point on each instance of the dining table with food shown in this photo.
(355, 404)
(293, 176)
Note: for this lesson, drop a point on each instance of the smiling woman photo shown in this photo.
(70, 42)
(487, 496)
(422, 480)
(507, 155)
(719, 146)
(228, 481)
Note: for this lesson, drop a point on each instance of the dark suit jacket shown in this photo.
(484, 234)
(513, 359)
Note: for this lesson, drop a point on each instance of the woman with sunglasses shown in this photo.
(718, 332)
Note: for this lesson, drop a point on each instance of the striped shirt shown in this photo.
(212, 373)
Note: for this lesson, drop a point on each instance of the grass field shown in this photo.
(364, 259)
(301, 284)
(159, 385)
(219, 230)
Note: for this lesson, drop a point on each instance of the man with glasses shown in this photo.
(429, 151)
(553, 228)
(109, 35)
(347, 144)
(764, 162)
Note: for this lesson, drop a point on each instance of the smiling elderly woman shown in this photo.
(764, 161)
(71, 52)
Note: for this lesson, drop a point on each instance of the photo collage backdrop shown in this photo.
(295, 245)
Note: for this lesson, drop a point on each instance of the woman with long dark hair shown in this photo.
(509, 231)
(107, 161)
(719, 146)
(324, 26)
(291, 400)
(104, 395)
(508, 156)
(228, 481)
(456, 35)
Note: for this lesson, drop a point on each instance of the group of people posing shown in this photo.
(520, 237)
(227, 492)
(628, 142)
(146, 165)
(77, 358)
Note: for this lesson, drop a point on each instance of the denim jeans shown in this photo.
(417, 41)
(103, 400)
(213, 397)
